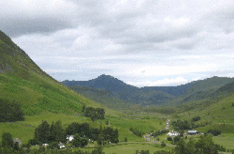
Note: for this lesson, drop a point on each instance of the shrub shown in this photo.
(214, 132)
(163, 144)
(196, 118)
(7, 140)
(169, 138)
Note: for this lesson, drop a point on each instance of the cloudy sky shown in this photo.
(141, 42)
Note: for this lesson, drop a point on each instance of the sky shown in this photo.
(143, 42)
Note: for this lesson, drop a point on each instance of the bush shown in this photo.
(53, 145)
(136, 132)
(7, 140)
(162, 152)
(214, 132)
(163, 144)
(10, 111)
(196, 118)
(169, 138)
(142, 152)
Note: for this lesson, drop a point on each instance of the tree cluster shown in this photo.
(101, 135)
(46, 133)
(136, 131)
(7, 142)
(94, 113)
(10, 111)
(159, 132)
(186, 125)
(197, 118)
(204, 145)
(142, 152)
(214, 132)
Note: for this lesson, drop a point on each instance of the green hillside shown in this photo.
(23, 81)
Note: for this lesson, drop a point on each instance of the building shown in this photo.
(173, 134)
(193, 132)
(70, 137)
(61, 145)
(17, 140)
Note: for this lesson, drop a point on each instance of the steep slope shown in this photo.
(23, 81)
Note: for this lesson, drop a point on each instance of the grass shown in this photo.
(131, 148)
(225, 139)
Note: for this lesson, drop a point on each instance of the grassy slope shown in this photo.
(217, 110)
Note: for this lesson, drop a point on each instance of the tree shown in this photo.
(83, 108)
(16, 146)
(98, 150)
(163, 144)
(57, 133)
(42, 132)
(10, 111)
(76, 141)
(54, 145)
(84, 141)
(7, 140)
(169, 138)
(73, 128)
(205, 145)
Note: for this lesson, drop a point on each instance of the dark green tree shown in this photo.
(206, 145)
(57, 133)
(10, 111)
(42, 132)
(53, 145)
(73, 128)
(98, 150)
(7, 140)
(84, 141)
(16, 146)
(76, 141)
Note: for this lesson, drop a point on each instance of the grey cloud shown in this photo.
(39, 25)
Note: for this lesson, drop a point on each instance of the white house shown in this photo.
(45, 144)
(173, 134)
(61, 145)
(192, 132)
(70, 137)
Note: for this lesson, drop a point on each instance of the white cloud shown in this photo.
(162, 82)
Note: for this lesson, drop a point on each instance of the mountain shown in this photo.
(120, 90)
(23, 81)
(117, 89)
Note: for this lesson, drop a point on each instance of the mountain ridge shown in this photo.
(155, 94)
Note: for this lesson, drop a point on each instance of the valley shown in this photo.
(135, 112)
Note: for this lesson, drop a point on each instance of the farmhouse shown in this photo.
(173, 134)
(17, 140)
(193, 132)
(70, 137)
(61, 145)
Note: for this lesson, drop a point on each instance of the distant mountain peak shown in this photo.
(105, 76)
